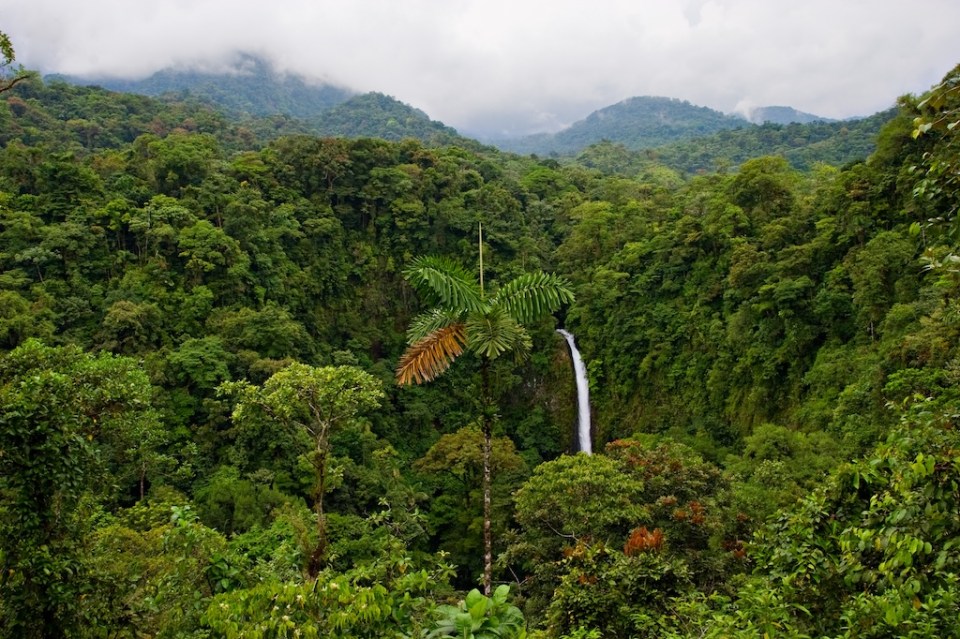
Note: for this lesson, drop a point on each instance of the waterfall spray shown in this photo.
(583, 394)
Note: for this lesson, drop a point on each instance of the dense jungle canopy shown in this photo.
(201, 434)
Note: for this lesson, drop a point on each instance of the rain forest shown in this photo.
(260, 383)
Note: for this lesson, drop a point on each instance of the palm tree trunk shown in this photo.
(487, 427)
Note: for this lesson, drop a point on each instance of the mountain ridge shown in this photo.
(638, 122)
(784, 115)
(253, 88)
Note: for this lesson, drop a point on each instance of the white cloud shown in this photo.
(494, 65)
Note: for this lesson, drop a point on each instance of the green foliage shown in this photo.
(779, 465)
(444, 283)
(374, 115)
(759, 611)
(637, 123)
(578, 497)
(314, 401)
(461, 455)
(201, 364)
(574, 499)
(67, 420)
(19, 321)
(871, 553)
(255, 90)
(453, 471)
(278, 551)
(490, 326)
(615, 594)
(935, 126)
(388, 597)
(94, 119)
(659, 501)
(768, 320)
(233, 504)
(156, 576)
(479, 617)
(804, 146)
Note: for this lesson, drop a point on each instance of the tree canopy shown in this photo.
(202, 317)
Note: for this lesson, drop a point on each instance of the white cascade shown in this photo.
(583, 394)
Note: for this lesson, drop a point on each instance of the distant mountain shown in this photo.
(783, 115)
(803, 145)
(380, 116)
(251, 87)
(637, 123)
(288, 103)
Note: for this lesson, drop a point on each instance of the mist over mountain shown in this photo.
(783, 115)
(687, 137)
(249, 86)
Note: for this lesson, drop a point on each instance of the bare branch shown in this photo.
(6, 86)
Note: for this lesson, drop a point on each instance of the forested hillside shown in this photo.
(380, 116)
(251, 92)
(202, 435)
(249, 86)
(783, 115)
(622, 138)
(802, 145)
(637, 123)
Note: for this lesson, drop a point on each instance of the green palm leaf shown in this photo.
(533, 295)
(433, 320)
(494, 333)
(446, 284)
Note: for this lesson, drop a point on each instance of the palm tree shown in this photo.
(463, 319)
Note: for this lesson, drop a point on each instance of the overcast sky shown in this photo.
(499, 66)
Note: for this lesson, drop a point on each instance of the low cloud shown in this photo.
(492, 67)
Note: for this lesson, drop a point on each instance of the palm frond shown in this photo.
(429, 322)
(432, 355)
(445, 283)
(533, 295)
(495, 333)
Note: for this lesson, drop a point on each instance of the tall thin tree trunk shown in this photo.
(317, 556)
(487, 427)
(487, 534)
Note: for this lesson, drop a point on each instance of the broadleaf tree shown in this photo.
(63, 413)
(315, 401)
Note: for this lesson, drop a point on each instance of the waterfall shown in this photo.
(583, 394)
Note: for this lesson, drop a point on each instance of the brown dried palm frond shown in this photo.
(432, 355)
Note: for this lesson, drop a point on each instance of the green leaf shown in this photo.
(500, 594)
(464, 625)
(446, 284)
(430, 322)
(479, 610)
(473, 597)
(533, 295)
(493, 334)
